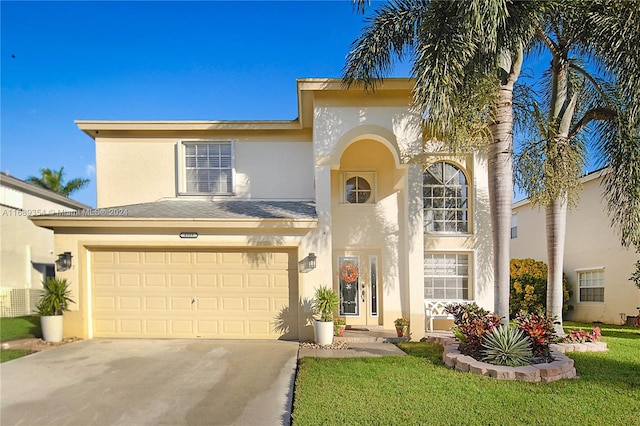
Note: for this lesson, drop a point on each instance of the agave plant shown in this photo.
(507, 346)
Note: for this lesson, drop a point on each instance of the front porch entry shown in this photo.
(358, 283)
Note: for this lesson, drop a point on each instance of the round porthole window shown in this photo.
(357, 190)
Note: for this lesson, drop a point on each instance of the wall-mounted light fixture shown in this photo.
(307, 264)
(64, 261)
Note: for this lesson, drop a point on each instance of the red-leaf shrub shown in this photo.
(581, 336)
(472, 325)
(539, 328)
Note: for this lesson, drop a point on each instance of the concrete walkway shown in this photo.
(361, 343)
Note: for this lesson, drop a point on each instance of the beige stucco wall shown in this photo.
(26, 248)
(590, 243)
(150, 168)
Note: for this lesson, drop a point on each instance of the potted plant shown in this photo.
(53, 302)
(339, 325)
(402, 327)
(324, 303)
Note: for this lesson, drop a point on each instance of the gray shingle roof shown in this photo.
(207, 209)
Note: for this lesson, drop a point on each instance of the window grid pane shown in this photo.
(446, 276)
(208, 168)
(591, 286)
(445, 199)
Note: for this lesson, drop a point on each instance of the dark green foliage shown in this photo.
(55, 297)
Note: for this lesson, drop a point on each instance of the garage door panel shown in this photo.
(210, 294)
(155, 303)
(206, 280)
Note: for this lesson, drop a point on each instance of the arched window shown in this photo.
(445, 198)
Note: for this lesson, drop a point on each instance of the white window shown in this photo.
(446, 276)
(358, 188)
(208, 167)
(514, 226)
(591, 285)
(445, 198)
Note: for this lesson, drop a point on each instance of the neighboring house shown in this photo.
(596, 264)
(206, 228)
(27, 250)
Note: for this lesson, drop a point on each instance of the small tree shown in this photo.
(529, 287)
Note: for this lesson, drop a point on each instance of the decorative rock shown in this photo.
(501, 372)
(478, 367)
(580, 347)
(527, 373)
(462, 363)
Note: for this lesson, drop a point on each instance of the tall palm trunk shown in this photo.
(500, 168)
(501, 198)
(556, 217)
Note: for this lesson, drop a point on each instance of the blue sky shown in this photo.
(208, 60)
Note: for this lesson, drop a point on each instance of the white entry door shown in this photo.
(359, 287)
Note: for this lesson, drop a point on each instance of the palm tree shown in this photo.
(466, 58)
(54, 181)
(578, 104)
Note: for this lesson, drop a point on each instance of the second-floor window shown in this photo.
(445, 198)
(208, 167)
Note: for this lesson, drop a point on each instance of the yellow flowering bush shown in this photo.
(529, 286)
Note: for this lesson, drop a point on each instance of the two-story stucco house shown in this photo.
(206, 228)
(27, 253)
(596, 264)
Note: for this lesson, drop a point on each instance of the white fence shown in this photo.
(18, 302)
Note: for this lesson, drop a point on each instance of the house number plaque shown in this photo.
(188, 235)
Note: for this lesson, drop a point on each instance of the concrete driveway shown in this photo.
(151, 382)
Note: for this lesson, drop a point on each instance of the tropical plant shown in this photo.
(325, 303)
(401, 322)
(466, 57)
(577, 335)
(472, 323)
(579, 108)
(55, 297)
(541, 332)
(529, 287)
(507, 346)
(54, 181)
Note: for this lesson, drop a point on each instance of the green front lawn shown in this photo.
(419, 389)
(17, 328)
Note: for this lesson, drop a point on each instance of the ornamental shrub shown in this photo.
(539, 328)
(507, 346)
(529, 287)
(472, 323)
(577, 335)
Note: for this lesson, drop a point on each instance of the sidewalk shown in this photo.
(361, 343)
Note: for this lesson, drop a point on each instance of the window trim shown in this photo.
(182, 172)
(369, 175)
(471, 268)
(580, 271)
(470, 195)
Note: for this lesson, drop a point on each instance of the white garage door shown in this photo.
(209, 294)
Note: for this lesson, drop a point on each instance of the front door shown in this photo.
(359, 287)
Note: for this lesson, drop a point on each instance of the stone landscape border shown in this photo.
(560, 368)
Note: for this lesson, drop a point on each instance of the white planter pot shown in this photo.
(324, 332)
(52, 328)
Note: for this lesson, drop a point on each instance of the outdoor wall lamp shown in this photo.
(64, 261)
(307, 264)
